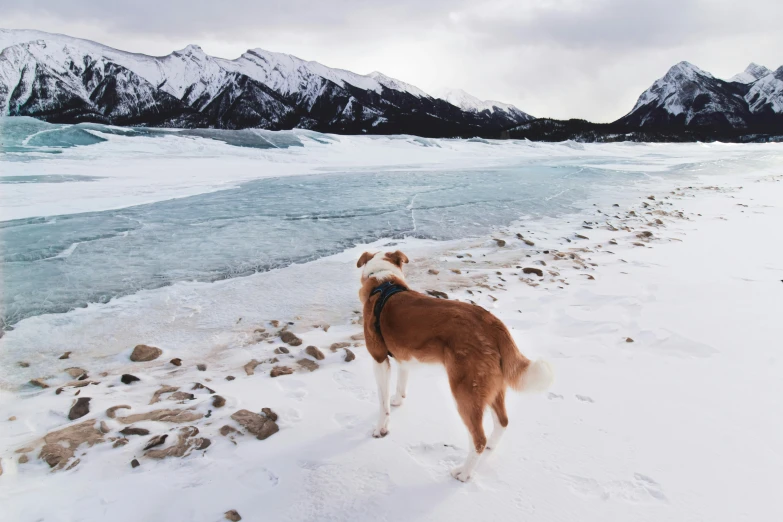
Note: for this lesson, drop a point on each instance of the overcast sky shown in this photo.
(559, 58)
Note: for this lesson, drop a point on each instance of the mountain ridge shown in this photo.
(52, 77)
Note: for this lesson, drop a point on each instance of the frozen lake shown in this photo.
(224, 203)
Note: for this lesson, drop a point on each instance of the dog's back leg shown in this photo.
(402, 383)
(471, 408)
(500, 419)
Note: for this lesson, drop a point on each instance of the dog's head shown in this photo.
(382, 266)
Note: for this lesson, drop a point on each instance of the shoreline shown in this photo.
(630, 430)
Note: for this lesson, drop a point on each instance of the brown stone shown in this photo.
(128, 378)
(66, 355)
(277, 371)
(357, 337)
(230, 377)
(186, 442)
(500, 242)
(628, 340)
(111, 412)
(533, 270)
(12, 418)
(75, 373)
(438, 294)
(80, 408)
(289, 338)
(199, 386)
(130, 430)
(144, 353)
(135, 463)
(23, 364)
(259, 425)
(176, 361)
(61, 445)
(163, 389)
(315, 353)
(157, 440)
(225, 430)
(336, 346)
(232, 515)
(275, 323)
(176, 416)
(181, 396)
(269, 413)
(23, 459)
(218, 401)
(120, 442)
(39, 382)
(307, 364)
(250, 368)
(349, 355)
(456, 270)
(281, 350)
(201, 367)
(432, 271)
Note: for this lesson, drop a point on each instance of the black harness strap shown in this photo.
(386, 290)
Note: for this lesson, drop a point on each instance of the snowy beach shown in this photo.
(653, 287)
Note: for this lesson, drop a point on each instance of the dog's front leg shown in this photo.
(383, 378)
(402, 383)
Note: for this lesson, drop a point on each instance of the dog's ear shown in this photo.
(398, 258)
(363, 260)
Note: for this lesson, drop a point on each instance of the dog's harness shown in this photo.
(386, 290)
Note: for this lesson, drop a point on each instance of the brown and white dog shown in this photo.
(480, 356)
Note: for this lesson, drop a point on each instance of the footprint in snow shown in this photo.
(437, 457)
(640, 490)
(349, 382)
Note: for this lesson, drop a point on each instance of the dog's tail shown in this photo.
(521, 373)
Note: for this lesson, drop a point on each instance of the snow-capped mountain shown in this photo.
(63, 79)
(468, 102)
(690, 97)
(765, 97)
(751, 73)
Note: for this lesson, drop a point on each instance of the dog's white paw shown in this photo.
(380, 432)
(397, 400)
(460, 475)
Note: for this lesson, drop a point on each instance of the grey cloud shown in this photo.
(560, 58)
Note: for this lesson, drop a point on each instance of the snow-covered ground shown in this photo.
(682, 423)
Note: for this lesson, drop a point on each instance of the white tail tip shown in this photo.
(538, 377)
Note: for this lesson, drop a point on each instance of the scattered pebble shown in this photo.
(144, 353)
(533, 270)
(218, 401)
(66, 355)
(281, 350)
(277, 371)
(128, 378)
(349, 355)
(176, 361)
(130, 430)
(438, 294)
(157, 440)
(259, 425)
(307, 364)
(201, 367)
(432, 271)
(135, 463)
(39, 382)
(232, 515)
(289, 338)
(336, 346)
(500, 242)
(80, 408)
(628, 340)
(315, 353)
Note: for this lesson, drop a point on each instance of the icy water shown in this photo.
(55, 264)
